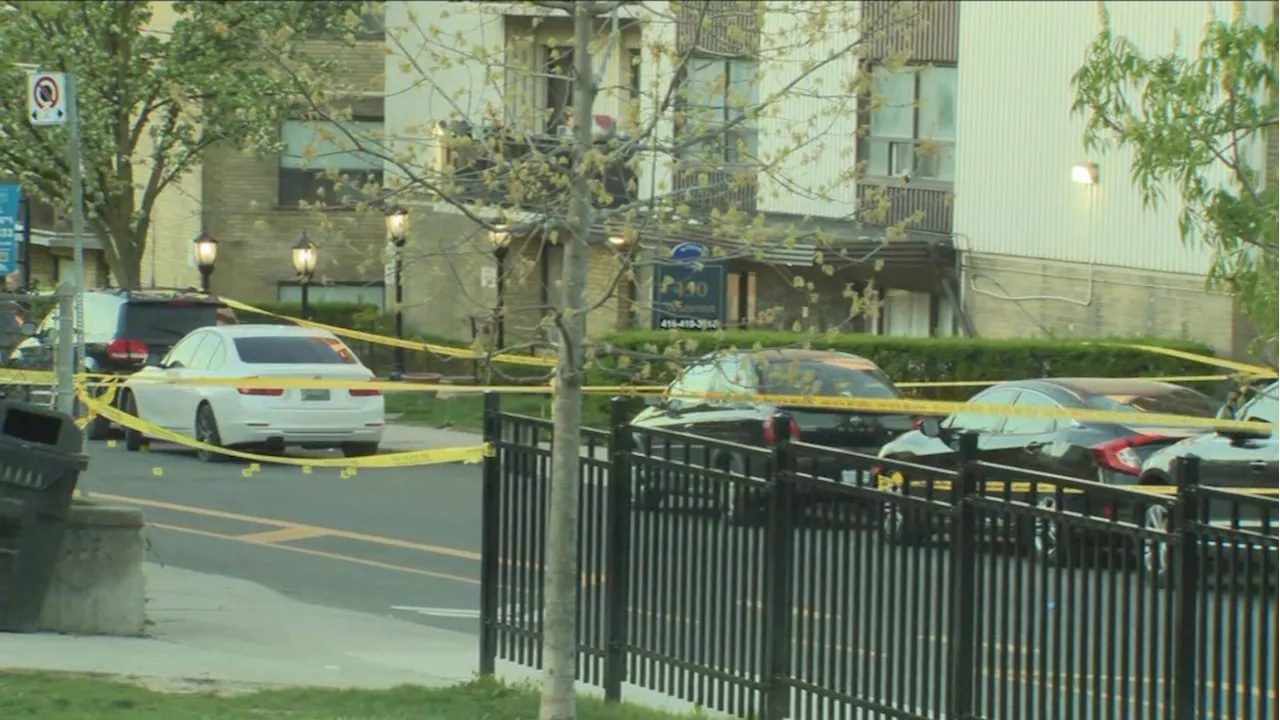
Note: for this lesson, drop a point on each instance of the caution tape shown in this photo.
(987, 383)
(412, 458)
(398, 342)
(945, 407)
(1247, 369)
(895, 481)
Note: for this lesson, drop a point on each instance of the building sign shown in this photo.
(689, 290)
(10, 199)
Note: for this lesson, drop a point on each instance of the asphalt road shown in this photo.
(872, 618)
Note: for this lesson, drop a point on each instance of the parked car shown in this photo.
(271, 418)
(1107, 452)
(1232, 459)
(745, 422)
(122, 328)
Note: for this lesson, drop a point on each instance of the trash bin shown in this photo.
(40, 462)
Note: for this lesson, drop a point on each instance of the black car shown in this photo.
(1108, 452)
(122, 328)
(745, 422)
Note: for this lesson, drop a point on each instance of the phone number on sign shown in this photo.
(688, 324)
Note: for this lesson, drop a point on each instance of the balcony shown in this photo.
(525, 173)
(705, 188)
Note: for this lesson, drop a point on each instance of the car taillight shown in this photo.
(1118, 454)
(768, 430)
(364, 392)
(265, 392)
(127, 350)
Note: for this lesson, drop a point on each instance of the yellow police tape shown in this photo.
(398, 342)
(1245, 368)
(410, 458)
(894, 481)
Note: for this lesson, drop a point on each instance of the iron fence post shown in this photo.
(489, 521)
(779, 544)
(618, 553)
(963, 580)
(1186, 545)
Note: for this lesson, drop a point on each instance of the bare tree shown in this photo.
(560, 177)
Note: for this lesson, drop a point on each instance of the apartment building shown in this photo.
(1056, 241)
(810, 196)
(259, 207)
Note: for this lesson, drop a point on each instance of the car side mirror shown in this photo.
(930, 427)
(28, 329)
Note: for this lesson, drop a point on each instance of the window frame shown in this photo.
(192, 341)
(979, 399)
(747, 131)
(1054, 423)
(909, 146)
(295, 186)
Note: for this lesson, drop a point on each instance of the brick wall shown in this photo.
(241, 210)
(1011, 299)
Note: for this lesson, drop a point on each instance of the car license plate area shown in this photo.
(315, 395)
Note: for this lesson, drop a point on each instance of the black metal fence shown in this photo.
(745, 580)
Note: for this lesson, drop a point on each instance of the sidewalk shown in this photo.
(213, 633)
(398, 437)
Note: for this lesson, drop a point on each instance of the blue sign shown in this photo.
(10, 198)
(689, 292)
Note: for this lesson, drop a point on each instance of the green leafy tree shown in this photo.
(154, 92)
(1201, 124)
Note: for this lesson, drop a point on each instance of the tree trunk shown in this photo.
(560, 643)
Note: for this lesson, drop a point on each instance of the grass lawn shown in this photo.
(41, 696)
(466, 411)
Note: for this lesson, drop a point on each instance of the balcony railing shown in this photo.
(529, 173)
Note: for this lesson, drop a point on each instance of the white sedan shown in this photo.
(229, 416)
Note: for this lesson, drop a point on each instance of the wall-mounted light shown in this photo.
(1084, 174)
(617, 240)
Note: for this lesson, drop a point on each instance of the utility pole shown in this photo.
(51, 101)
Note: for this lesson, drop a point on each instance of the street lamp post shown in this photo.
(398, 229)
(206, 250)
(501, 240)
(304, 263)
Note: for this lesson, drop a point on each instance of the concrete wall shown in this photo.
(98, 587)
(1020, 297)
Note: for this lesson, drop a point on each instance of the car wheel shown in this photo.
(736, 507)
(1046, 534)
(359, 449)
(1155, 552)
(133, 439)
(897, 527)
(99, 428)
(207, 433)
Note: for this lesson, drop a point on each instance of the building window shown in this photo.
(558, 90)
(717, 92)
(325, 163)
(349, 293)
(913, 124)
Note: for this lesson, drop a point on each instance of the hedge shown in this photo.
(653, 357)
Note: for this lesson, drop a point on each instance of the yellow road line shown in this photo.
(287, 531)
(317, 553)
(284, 535)
(255, 520)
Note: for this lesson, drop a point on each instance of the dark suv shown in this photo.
(122, 328)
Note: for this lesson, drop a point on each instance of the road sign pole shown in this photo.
(77, 209)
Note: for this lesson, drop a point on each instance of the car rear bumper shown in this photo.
(305, 428)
